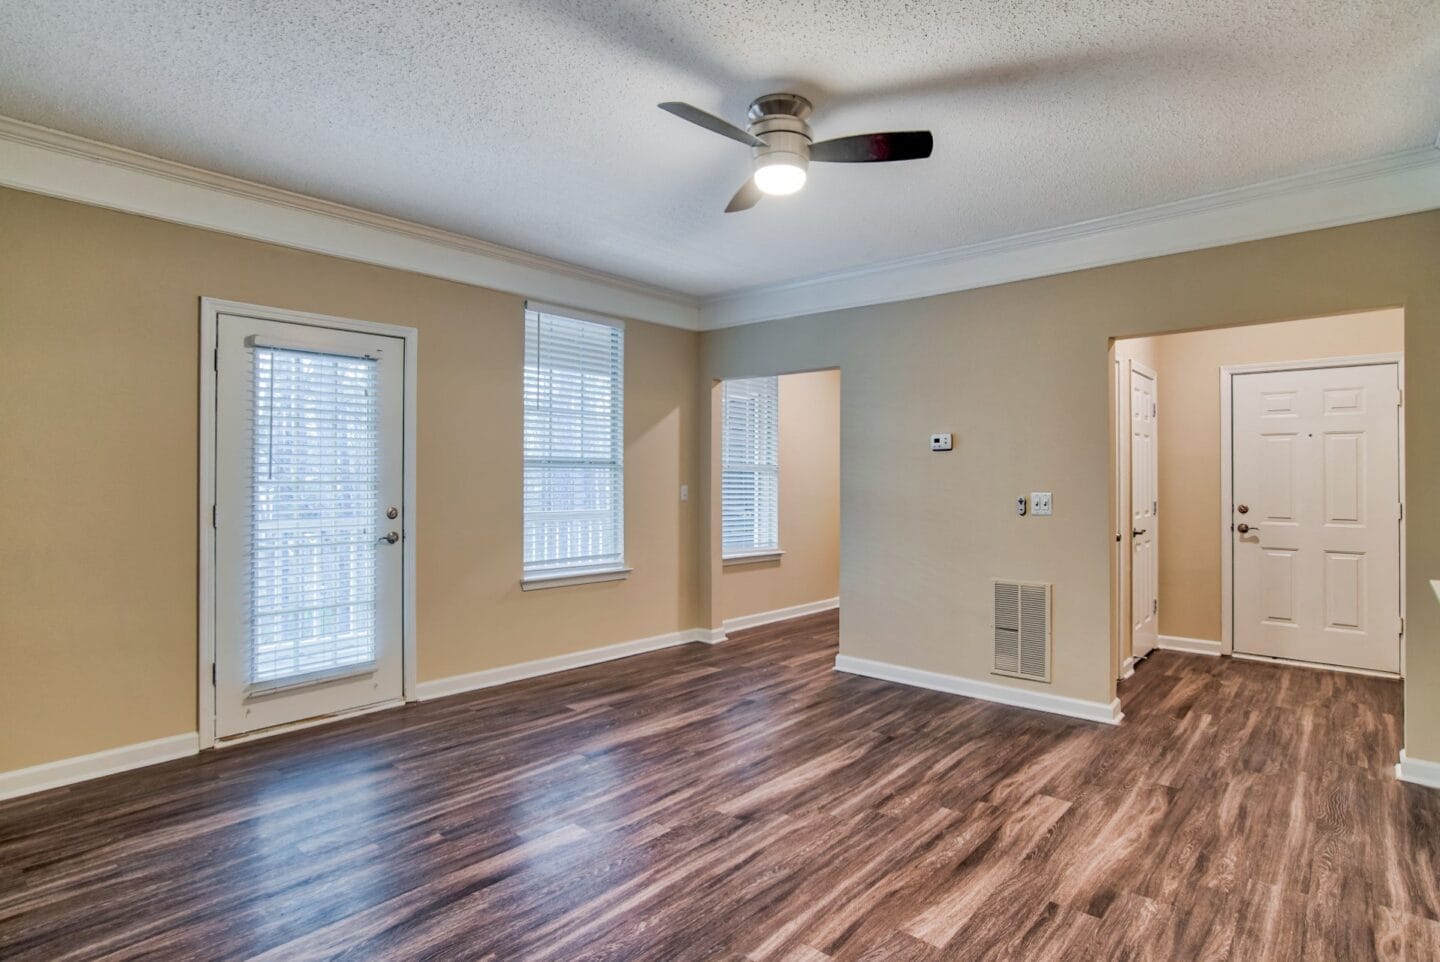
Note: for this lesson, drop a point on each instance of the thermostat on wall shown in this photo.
(941, 442)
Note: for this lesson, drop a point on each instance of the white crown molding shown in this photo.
(984, 690)
(1401, 183)
(67, 771)
(46, 161)
(58, 164)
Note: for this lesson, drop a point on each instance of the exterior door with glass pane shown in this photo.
(308, 553)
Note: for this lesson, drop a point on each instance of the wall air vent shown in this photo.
(1022, 629)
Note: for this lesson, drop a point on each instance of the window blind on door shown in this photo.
(314, 490)
(574, 441)
(750, 475)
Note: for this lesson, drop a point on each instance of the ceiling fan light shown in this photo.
(780, 174)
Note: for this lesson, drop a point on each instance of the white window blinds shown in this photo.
(315, 483)
(750, 479)
(574, 445)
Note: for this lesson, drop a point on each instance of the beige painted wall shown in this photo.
(98, 385)
(1019, 372)
(98, 421)
(1188, 366)
(809, 505)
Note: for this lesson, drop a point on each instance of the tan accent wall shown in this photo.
(809, 505)
(1019, 372)
(99, 328)
(1188, 366)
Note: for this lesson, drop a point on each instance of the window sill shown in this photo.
(563, 579)
(751, 557)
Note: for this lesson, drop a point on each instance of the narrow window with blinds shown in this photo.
(574, 498)
(750, 478)
(314, 491)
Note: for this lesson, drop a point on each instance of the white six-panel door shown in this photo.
(309, 481)
(1144, 512)
(1316, 515)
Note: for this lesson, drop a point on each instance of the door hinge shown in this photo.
(213, 679)
(214, 516)
(1400, 398)
(215, 359)
(1402, 510)
(1154, 606)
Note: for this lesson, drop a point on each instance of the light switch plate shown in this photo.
(941, 442)
(1040, 503)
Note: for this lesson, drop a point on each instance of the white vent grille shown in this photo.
(1022, 629)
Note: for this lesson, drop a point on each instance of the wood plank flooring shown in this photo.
(747, 802)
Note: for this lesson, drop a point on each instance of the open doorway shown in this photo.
(777, 442)
(1259, 493)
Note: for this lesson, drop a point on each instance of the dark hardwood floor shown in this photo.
(747, 802)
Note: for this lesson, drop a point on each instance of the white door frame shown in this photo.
(1227, 480)
(210, 311)
(1124, 515)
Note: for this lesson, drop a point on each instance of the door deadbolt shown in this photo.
(1243, 508)
(393, 513)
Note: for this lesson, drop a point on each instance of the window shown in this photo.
(750, 479)
(574, 499)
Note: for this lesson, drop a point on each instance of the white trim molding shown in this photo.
(58, 164)
(564, 579)
(503, 675)
(68, 771)
(1195, 646)
(983, 690)
(1417, 771)
(742, 622)
(52, 162)
(1127, 667)
(1400, 183)
(711, 636)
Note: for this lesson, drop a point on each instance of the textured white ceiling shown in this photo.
(533, 123)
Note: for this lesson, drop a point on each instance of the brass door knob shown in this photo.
(1243, 528)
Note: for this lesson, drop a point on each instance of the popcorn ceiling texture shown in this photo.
(533, 123)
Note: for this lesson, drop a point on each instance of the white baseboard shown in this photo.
(984, 690)
(780, 614)
(1127, 668)
(1195, 646)
(67, 771)
(711, 636)
(490, 677)
(1417, 771)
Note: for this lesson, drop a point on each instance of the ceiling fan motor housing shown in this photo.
(779, 120)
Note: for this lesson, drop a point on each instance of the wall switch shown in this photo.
(1020, 507)
(1040, 502)
(941, 442)
(684, 492)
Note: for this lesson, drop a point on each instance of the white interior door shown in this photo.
(1316, 515)
(1144, 513)
(309, 479)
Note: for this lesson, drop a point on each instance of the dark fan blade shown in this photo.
(710, 122)
(745, 198)
(869, 148)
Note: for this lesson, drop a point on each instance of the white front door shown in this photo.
(1144, 513)
(309, 457)
(1316, 515)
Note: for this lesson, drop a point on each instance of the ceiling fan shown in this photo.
(780, 141)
